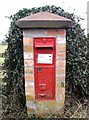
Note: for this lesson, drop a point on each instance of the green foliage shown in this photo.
(77, 62)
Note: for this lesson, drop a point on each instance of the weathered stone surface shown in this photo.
(31, 107)
(61, 63)
(29, 83)
(54, 32)
(60, 70)
(28, 70)
(29, 93)
(60, 84)
(28, 48)
(34, 33)
(28, 63)
(60, 77)
(28, 55)
(29, 77)
(60, 94)
(47, 108)
(31, 110)
(27, 41)
(60, 40)
(61, 48)
(44, 33)
(60, 55)
(30, 97)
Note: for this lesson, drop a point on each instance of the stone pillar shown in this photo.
(40, 107)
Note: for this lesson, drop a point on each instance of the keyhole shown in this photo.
(39, 69)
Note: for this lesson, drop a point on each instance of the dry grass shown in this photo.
(76, 109)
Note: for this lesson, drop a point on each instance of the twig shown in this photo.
(76, 111)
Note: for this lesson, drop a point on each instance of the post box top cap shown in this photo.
(44, 20)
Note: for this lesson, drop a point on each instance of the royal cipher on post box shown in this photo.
(44, 50)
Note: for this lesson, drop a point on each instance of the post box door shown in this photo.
(44, 68)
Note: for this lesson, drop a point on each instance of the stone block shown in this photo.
(61, 48)
(29, 77)
(60, 70)
(61, 104)
(61, 84)
(60, 94)
(54, 32)
(28, 70)
(29, 83)
(60, 77)
(27, 41)
(29, 91)
(28, 63)
(31, 110)
(28, 55)
(47, 107)
(30, 97)
(34, 33)
(60, 40)
(31, 104)
(28, 49)
(60, 63)
(60, 55)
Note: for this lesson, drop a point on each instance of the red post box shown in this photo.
(44, 68)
